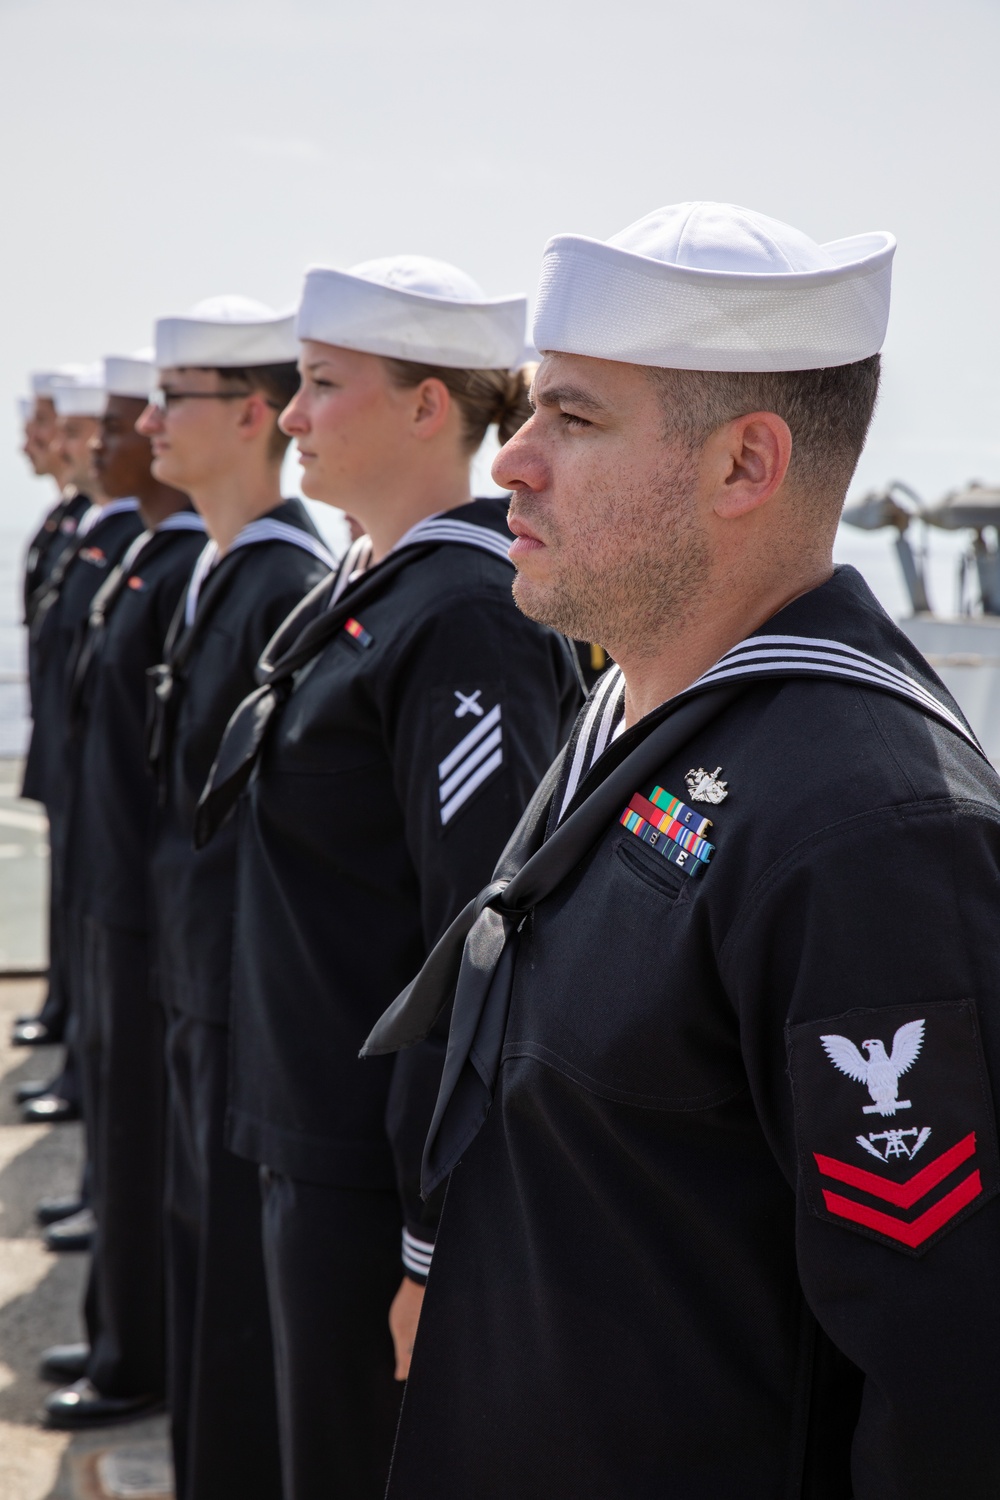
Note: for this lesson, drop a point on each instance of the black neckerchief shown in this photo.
(165, 678)
(298, 642)
(40, 543)
(474, 959)
(90, 632)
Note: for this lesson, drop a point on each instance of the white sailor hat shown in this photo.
(413, 308)
(710, 286)
(130, 375)
(42, 381)
(82, 394)
(227, 332)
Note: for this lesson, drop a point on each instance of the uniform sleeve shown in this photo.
(866, 970)
(478, 705)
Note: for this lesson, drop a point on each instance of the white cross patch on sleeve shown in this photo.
(464, 769)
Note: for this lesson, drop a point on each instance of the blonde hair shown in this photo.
(485, 398)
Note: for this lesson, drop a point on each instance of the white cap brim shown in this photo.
(129, 375)
(202, 343)
(352, 312)
(599, 300)
(80, 400)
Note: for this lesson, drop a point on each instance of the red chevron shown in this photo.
(901, 1194)
(922, 1228)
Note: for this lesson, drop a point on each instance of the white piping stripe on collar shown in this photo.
(266, 529)
(182, 520)
(101, 512)
(440, 529)
(608, 695)
(758, 646)
(430, 529)
(890, 678)
(133, 551)
(356, 560)
(805, 655)
(761, 656)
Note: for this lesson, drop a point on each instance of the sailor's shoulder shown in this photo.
(858, 743)
(797, 765)
(278, 563)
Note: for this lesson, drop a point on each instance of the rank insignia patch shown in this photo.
(470, 751)
(675, 831)
(357, 632)
(900, 1170)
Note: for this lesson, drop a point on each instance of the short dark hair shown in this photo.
(828, 412)
(277, 384)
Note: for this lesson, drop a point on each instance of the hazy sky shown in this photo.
(159, 153)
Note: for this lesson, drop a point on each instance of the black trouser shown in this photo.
(55, 1010)
(220, 1360)
(122, 1072)
(64, 951)
(333, 1268)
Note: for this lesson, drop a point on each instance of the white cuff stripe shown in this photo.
(416, 1254)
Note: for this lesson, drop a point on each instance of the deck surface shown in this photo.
(40, 1293)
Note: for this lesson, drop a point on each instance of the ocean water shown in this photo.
(13, 686)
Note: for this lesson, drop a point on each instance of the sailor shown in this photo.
(411, 711)
(225, 371)
(46, 457)
(119, 1374)
(58, 612)
(44, 451)
(724, 1204)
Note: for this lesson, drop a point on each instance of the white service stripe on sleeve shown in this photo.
(468, 787)
(416, 1254)
(471, 761)
(464, 745)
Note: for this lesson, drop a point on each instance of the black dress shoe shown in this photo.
(29, 1031)
(64, 1362)
(76, 1233)
(51, 1210)
(32, 1090)
(81, 1405)
(49, 1109)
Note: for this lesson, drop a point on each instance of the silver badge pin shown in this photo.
(705, 786)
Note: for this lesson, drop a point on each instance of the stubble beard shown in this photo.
(632, 580)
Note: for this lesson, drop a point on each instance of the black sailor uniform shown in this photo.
(731, 1225)
(398, 758)
(58, 609)
(106, 891)
(47, 546)
(220, 1360)
(53, 536)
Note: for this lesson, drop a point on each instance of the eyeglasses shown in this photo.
(164, 400)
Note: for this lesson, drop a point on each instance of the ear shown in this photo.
(431, 408)
(753, 457)
(254, 415)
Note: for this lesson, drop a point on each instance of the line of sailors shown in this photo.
(252, 1189)
(674, 1257)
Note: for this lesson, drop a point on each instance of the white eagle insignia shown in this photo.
(881, 1073)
